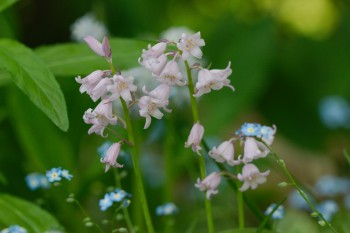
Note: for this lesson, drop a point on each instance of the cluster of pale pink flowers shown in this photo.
(252, 139)
(162, 60)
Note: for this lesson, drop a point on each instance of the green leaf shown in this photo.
(73, 59)
(32, 76)
(44, 145)
(6, 3)
(28, 215)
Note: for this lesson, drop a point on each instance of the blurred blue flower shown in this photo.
(335, 112)
(278, 214)
(56, 174)
(65, 174)
(102, 150)
(330, 185)
(249, 129)
(166, 209)
(296, 201)
(328, 208)
(106, 202)
(118, 195)
(36, 180)
(14, 229)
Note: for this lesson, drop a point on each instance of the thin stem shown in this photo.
(240, 210)
(300, 191)
(125, 210)
(233, 185)
(191, 90)
(82, 208)
(201, 158)
(87, 216)
(137, 169)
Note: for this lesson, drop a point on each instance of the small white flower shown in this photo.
(100, 118)
(195, 138)
(171, 74)
(149, 104)
(90, 82)
(252, 150)
(209, 184)
(189, 45)
(121, 87)
(213, 80)
(252, 177)
(100, 90)
(111, 158)
(224, 153)
(152, 52)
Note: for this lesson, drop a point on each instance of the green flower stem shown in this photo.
(191, 90)
(240, 210)
(125, 210)
(233, 185)
(87, 216)
(137, 169)
(300, 191)
(194, 106)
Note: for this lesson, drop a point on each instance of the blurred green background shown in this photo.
(286, 55)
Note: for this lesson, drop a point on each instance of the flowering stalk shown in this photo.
(240, 207)
(125, 210)
(201, 158)
(300, 191)
(137, 170)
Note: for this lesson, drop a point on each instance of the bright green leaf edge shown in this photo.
(17, 211)
(35, 79)
(73, 59)
(6, 3)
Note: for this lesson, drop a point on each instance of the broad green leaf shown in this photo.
(6, 3)
(5, 78)
(245, 230)
(78, 59)
(33, 77)
(28, 215)
(43, 144)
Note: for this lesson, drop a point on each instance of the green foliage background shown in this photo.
(280, 73)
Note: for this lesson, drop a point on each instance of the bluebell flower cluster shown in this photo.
(278, 214)
(36, 181)
(328, 208)
(56, 174)
(256, 130)
(118, 195)
(14, 229)
(167, 209)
